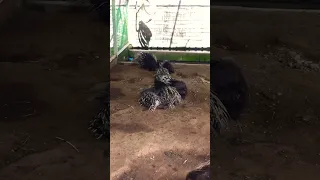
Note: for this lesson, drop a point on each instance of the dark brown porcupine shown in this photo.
(99, 124)
(202, 172)
(146, 61)
(219, 114)
(229, 84)
(180, 86)
(166, 64)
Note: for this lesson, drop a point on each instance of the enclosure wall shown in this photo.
(238, 30)
(173, 23)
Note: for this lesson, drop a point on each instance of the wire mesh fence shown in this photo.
(118, 26)
(173, 23)
(149, 24)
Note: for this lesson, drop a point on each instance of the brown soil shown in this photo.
(164, 144)
(49, 62)
(281, 138)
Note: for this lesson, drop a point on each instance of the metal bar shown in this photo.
(122, 49)
(174, 25)
(265, 9)
(176, 48)
(177, 52)
(183, 5)
(113, 58)
(114, 25)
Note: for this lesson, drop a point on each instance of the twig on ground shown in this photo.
(26, 149)
(74, 147)
(130, 106)
(31, 114)
(273, 115)
(21, 146)
(204, 81)
(185, 161)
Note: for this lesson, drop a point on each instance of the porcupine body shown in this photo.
(146, 61)
(229, 85)
(99, 125)
(169, 96)
(180, 86)
(149, 99)
(166, 64)
(162, 95)
(162, 78)
(219, 115)
(165, 97)
(202, 172)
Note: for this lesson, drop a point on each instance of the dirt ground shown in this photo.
(48, 66)
(281, 138)
(164, 144)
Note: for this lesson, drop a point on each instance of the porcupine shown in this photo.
(162, 94)
(202, 172)
(146, 61)
(166, 96)
(149, 62)
(166, 64)
(99, 124)
(150, 99)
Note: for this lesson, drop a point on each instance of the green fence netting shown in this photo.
(121, 35)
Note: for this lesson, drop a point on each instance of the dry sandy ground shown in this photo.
(62, 50)
(164, 144)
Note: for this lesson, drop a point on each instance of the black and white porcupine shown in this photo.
(166, 64)
(165, 97)
(146, 61)
(99, 125)
(219, 115)
(170, 97)
(162, 78)
(202, 172)
(180, 86)
(230, 86)
(148, 98)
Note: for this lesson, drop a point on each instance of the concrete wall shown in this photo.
(255, 30)
(7, 9)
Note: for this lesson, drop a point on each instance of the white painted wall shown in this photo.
(192, 27)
